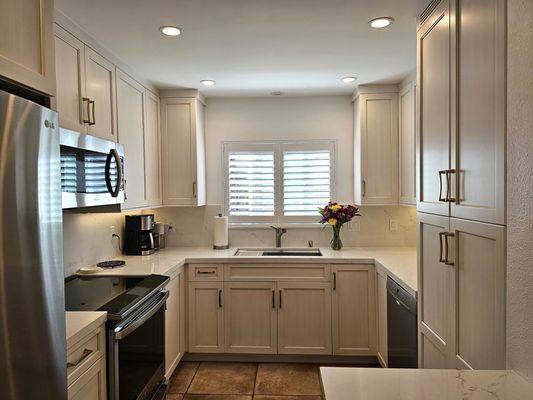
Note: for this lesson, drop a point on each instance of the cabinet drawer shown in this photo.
(84, 353)
(277, 272)
(205, 272)
(91, 385)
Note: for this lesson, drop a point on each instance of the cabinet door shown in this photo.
(382, 318)
(480, 282)
(131, 104)
(174, 322)
(152, 147)
(70, 81)
(91, 385)
(200, 189)
(379, 148)
(100, 89)
(206, 317)
(354, 317)
(433, 87)
(304, 318)
(435, 294)
(479, 147)
(250, 316)
(27, 43)
(407, 145)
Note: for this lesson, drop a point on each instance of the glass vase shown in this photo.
(336, 242)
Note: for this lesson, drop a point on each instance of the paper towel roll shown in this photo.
(221, 233)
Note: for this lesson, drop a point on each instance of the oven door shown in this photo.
(92, 170)
(136, 359)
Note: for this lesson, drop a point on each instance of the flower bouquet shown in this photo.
(337, 215)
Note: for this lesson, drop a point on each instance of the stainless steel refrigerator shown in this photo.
(32, 310)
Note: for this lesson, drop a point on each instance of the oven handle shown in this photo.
(142, 318)
(113, 153)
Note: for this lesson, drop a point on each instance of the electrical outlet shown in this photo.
(393, 225)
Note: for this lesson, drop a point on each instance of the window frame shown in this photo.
(278, 147)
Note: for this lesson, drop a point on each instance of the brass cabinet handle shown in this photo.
(88, 110)
(206, 272)
(280, 299)
(86, 353)
(334, 281)
(444, 247)
(273, 299)
(446, 258)
(441, 256)
(93, 122)
(449, 199)
(443, 172)
(194, 189)
(220, 299)
(363, 182)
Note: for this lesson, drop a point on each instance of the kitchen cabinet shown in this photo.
(175, 323)
(152, 150)
(376, 145)
(304, 318)
(250, 315)
(91, 385)
(27, 44)
(131, 104)
(381, 289)
(354, 316)
(407, 144)
(206, 317)
(183, 150)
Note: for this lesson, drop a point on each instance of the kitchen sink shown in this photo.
(274, 252)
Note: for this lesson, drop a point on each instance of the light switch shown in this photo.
(393, 225)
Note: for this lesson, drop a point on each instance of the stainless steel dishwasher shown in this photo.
(401, 327)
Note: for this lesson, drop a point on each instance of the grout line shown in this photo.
(192, 379)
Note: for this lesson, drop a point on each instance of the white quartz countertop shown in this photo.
(399, 262)
(422, 384)
(80, 323)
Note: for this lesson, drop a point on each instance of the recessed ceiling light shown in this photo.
(208, 82)
(381, 22)
(348, 79)
(169, 30)
(277, 93)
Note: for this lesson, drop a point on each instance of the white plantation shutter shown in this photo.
(251, 183)
(306, 182)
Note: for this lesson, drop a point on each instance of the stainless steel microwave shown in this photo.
(92, 170)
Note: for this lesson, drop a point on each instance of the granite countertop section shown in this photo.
(80, 323)
(422, 384)
(399, 262)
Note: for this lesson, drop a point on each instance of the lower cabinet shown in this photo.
(354, 316)
(206, 317)
(175, 323)
(304, 318)
(91, 385)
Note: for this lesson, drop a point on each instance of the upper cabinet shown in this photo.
(183, 151)
(376, 145)
(85, 88)
(461, 98)
(407, 144)
(152, 150)
(26, 44)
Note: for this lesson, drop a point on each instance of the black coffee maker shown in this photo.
(139, 240)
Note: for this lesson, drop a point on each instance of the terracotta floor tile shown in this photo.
(288, 379)
(174, 397)
(224, 378)
(182, 377)
(268, 397)
(216, 397)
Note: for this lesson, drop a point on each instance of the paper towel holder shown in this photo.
(222, 247)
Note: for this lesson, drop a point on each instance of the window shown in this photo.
(275, 182)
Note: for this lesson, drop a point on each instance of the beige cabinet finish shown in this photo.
(206, 272)
(70, 81)
(276, 272)
(250, 316)
(435, 294)
(304, 318)
(479, 258)
(206, 317)
(183, 151)
(175, 323)
(407, 145)
(100, 89)
(27, 43)
(353, 315)
(433, 96)
(381, 289)
(376, 148)
(91, 385)
(478, 148)
(152, 150)
(131, 105)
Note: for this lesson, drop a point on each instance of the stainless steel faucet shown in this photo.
(279, 234)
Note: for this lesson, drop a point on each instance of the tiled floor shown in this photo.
(245, 381)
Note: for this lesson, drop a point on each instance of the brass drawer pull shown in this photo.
(86, 353)
(206, 272)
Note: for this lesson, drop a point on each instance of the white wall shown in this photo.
(298, 118)
(520, 187)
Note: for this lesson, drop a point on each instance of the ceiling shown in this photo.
(254, 47)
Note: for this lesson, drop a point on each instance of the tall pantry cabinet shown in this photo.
(461, 184)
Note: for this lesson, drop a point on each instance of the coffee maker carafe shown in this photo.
(139, 235)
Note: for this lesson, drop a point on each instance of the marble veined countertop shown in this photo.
(422, 384)
(399, 262)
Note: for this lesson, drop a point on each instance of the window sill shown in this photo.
(269, 225)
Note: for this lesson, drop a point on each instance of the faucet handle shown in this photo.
(310, 243)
